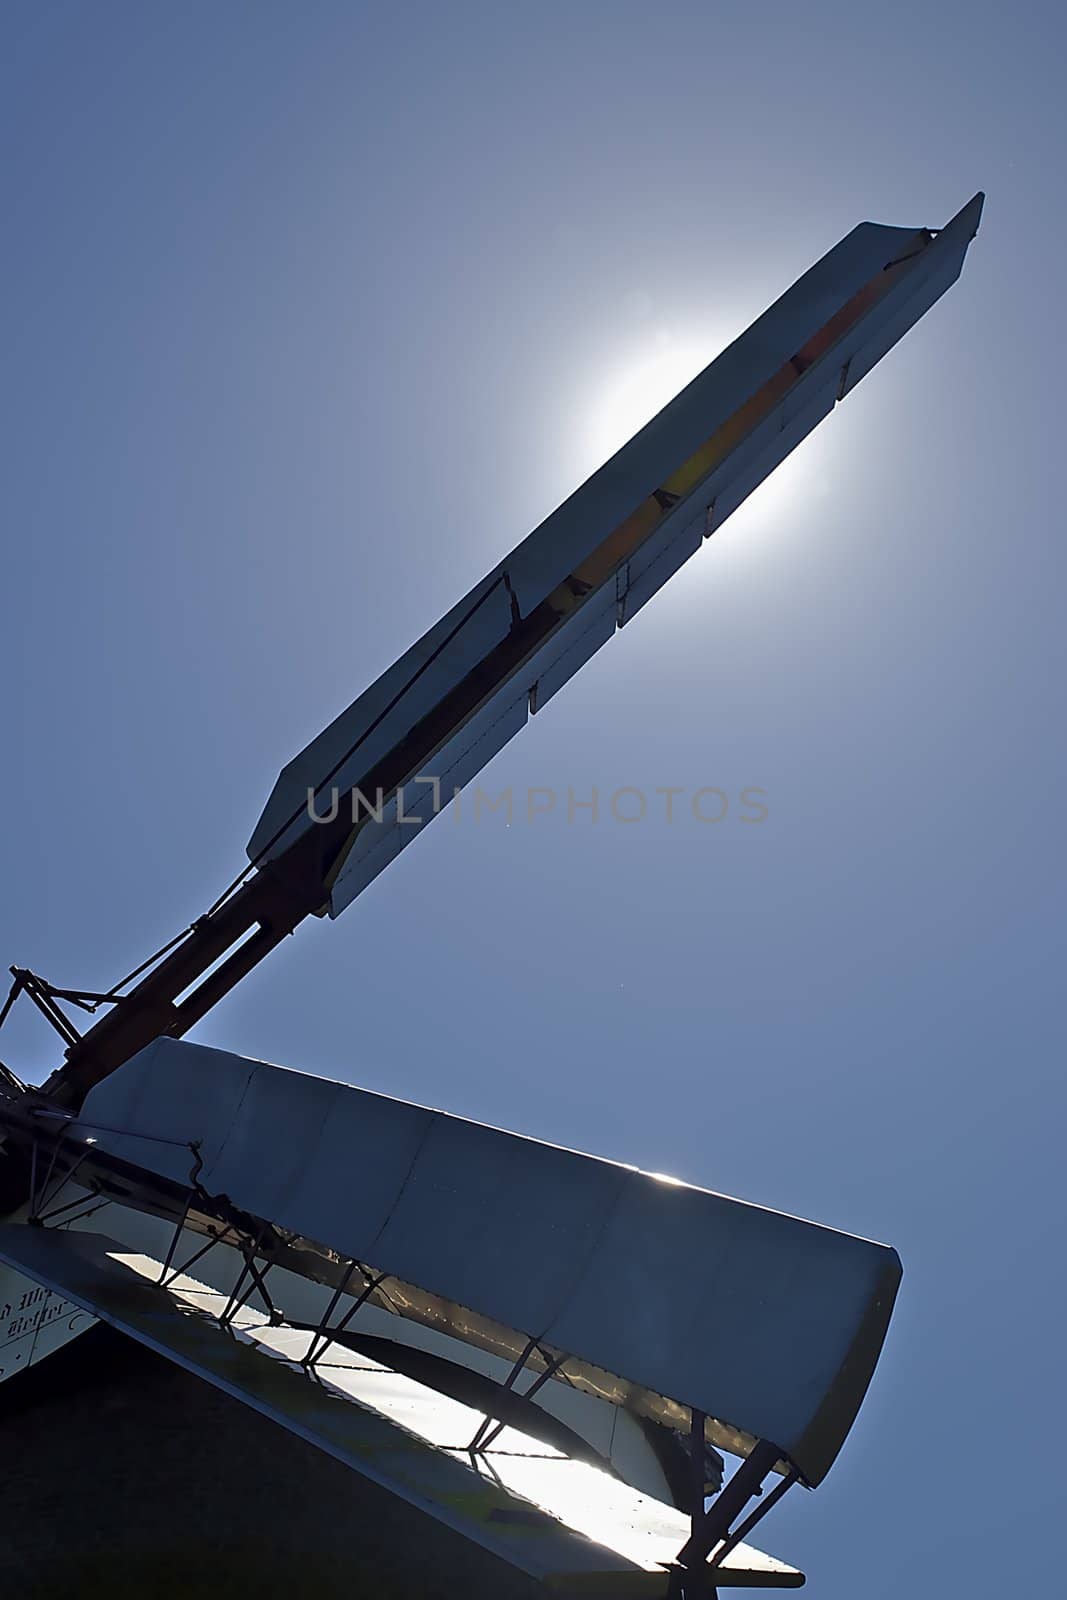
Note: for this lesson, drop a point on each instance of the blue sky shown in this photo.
(310, 314)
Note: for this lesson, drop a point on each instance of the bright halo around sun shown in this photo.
(641, 384)
(776, 512)
(643, 381)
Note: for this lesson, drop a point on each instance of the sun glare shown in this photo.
(768, 518)
(643, 382)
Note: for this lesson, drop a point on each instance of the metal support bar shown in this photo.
(37, 1199)
(12, 994)
(175, 1236)
(66, 1177)
(694, 1584)
(552, 1365)
(528, 1350)
(683, 1584)
(92, 1204)
(150, 1008)
(327, 1334)
(731, 1500)
(353, 1267)
(43, 996)
(233, 1303)
(264, 1293)
(255, 1283)
(196, 1256)
(744, 1528)
(94, 1199)
(219, 982)
(697, 1420)
(237, 1299)
(550, 1371)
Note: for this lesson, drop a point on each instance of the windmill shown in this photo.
(550, 1353)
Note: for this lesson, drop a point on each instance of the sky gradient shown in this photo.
(311, 313)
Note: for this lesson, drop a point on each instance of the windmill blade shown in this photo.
(495, 1239)
(701, 1320)
(400, 752)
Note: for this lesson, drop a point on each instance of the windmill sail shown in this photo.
(410, 742)
(497, 1240)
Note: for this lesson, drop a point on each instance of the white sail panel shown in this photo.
(768, 1323)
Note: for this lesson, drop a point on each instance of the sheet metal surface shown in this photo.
(770, 1324)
